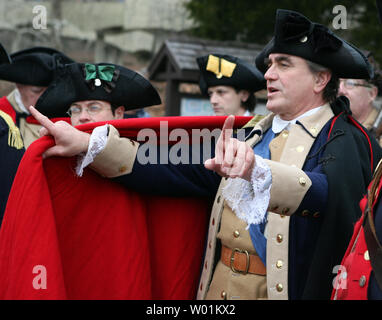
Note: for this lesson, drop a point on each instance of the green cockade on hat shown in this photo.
(100, 73)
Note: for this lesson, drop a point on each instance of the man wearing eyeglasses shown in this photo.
(93, 93)
(361, 94)
(81, 112)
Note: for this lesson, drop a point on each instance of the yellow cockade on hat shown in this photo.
(220, 66)
(14, 136)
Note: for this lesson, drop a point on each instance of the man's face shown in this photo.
(360, 95)
(225, 100)
(30, 94)
(93, 111)
(290, 85)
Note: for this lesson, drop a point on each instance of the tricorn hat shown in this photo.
(34, 66)
(226, 70)
(104, 81)
(296, 35)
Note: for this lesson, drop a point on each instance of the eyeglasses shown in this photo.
(92, 110)
(350, 84)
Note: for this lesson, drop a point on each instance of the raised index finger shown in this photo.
(43, 120)
(224, 138)
(228, 128)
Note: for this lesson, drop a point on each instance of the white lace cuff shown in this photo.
(250, 200)
(97, 143)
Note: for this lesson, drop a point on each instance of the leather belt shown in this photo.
(240, 261)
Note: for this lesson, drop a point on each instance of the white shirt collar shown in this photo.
(279, 124)
(20, 102)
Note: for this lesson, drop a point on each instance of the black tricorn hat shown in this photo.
(226, 70)
(296, 35)
(104, 81)
(34, 66)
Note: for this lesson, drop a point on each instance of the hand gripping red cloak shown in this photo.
(65, 237)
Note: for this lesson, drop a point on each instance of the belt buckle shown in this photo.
(233, 259)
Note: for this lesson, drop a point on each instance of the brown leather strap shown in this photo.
(240, 261)
(373, 245)
(374, 248)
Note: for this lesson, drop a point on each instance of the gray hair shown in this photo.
(331, 90)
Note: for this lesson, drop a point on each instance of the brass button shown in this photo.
(236, 234)
(282, 216)
(224, 295)
(316, 215)
(285, 210)
(305, 213)
(313, 130)
(300, 149)
(366, 255)
(279, 287)
(362, 281)
(279, 238)
(122, 169)
(279, 264)
(302, 181)
(285, 134)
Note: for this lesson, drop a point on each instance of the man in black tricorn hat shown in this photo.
(95, 92)
(11, 148)
(32, 70)
(230, 84)
(362, 94)
(284, 213)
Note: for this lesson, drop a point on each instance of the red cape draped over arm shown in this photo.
(65, 237)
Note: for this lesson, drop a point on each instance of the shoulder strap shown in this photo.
(14, 136)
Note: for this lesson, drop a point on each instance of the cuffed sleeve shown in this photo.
(250, 200)
(289, 186)
(118, 156)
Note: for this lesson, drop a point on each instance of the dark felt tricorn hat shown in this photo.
(296, 35)
(104, 81)
(34, 66)
(226, 70)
